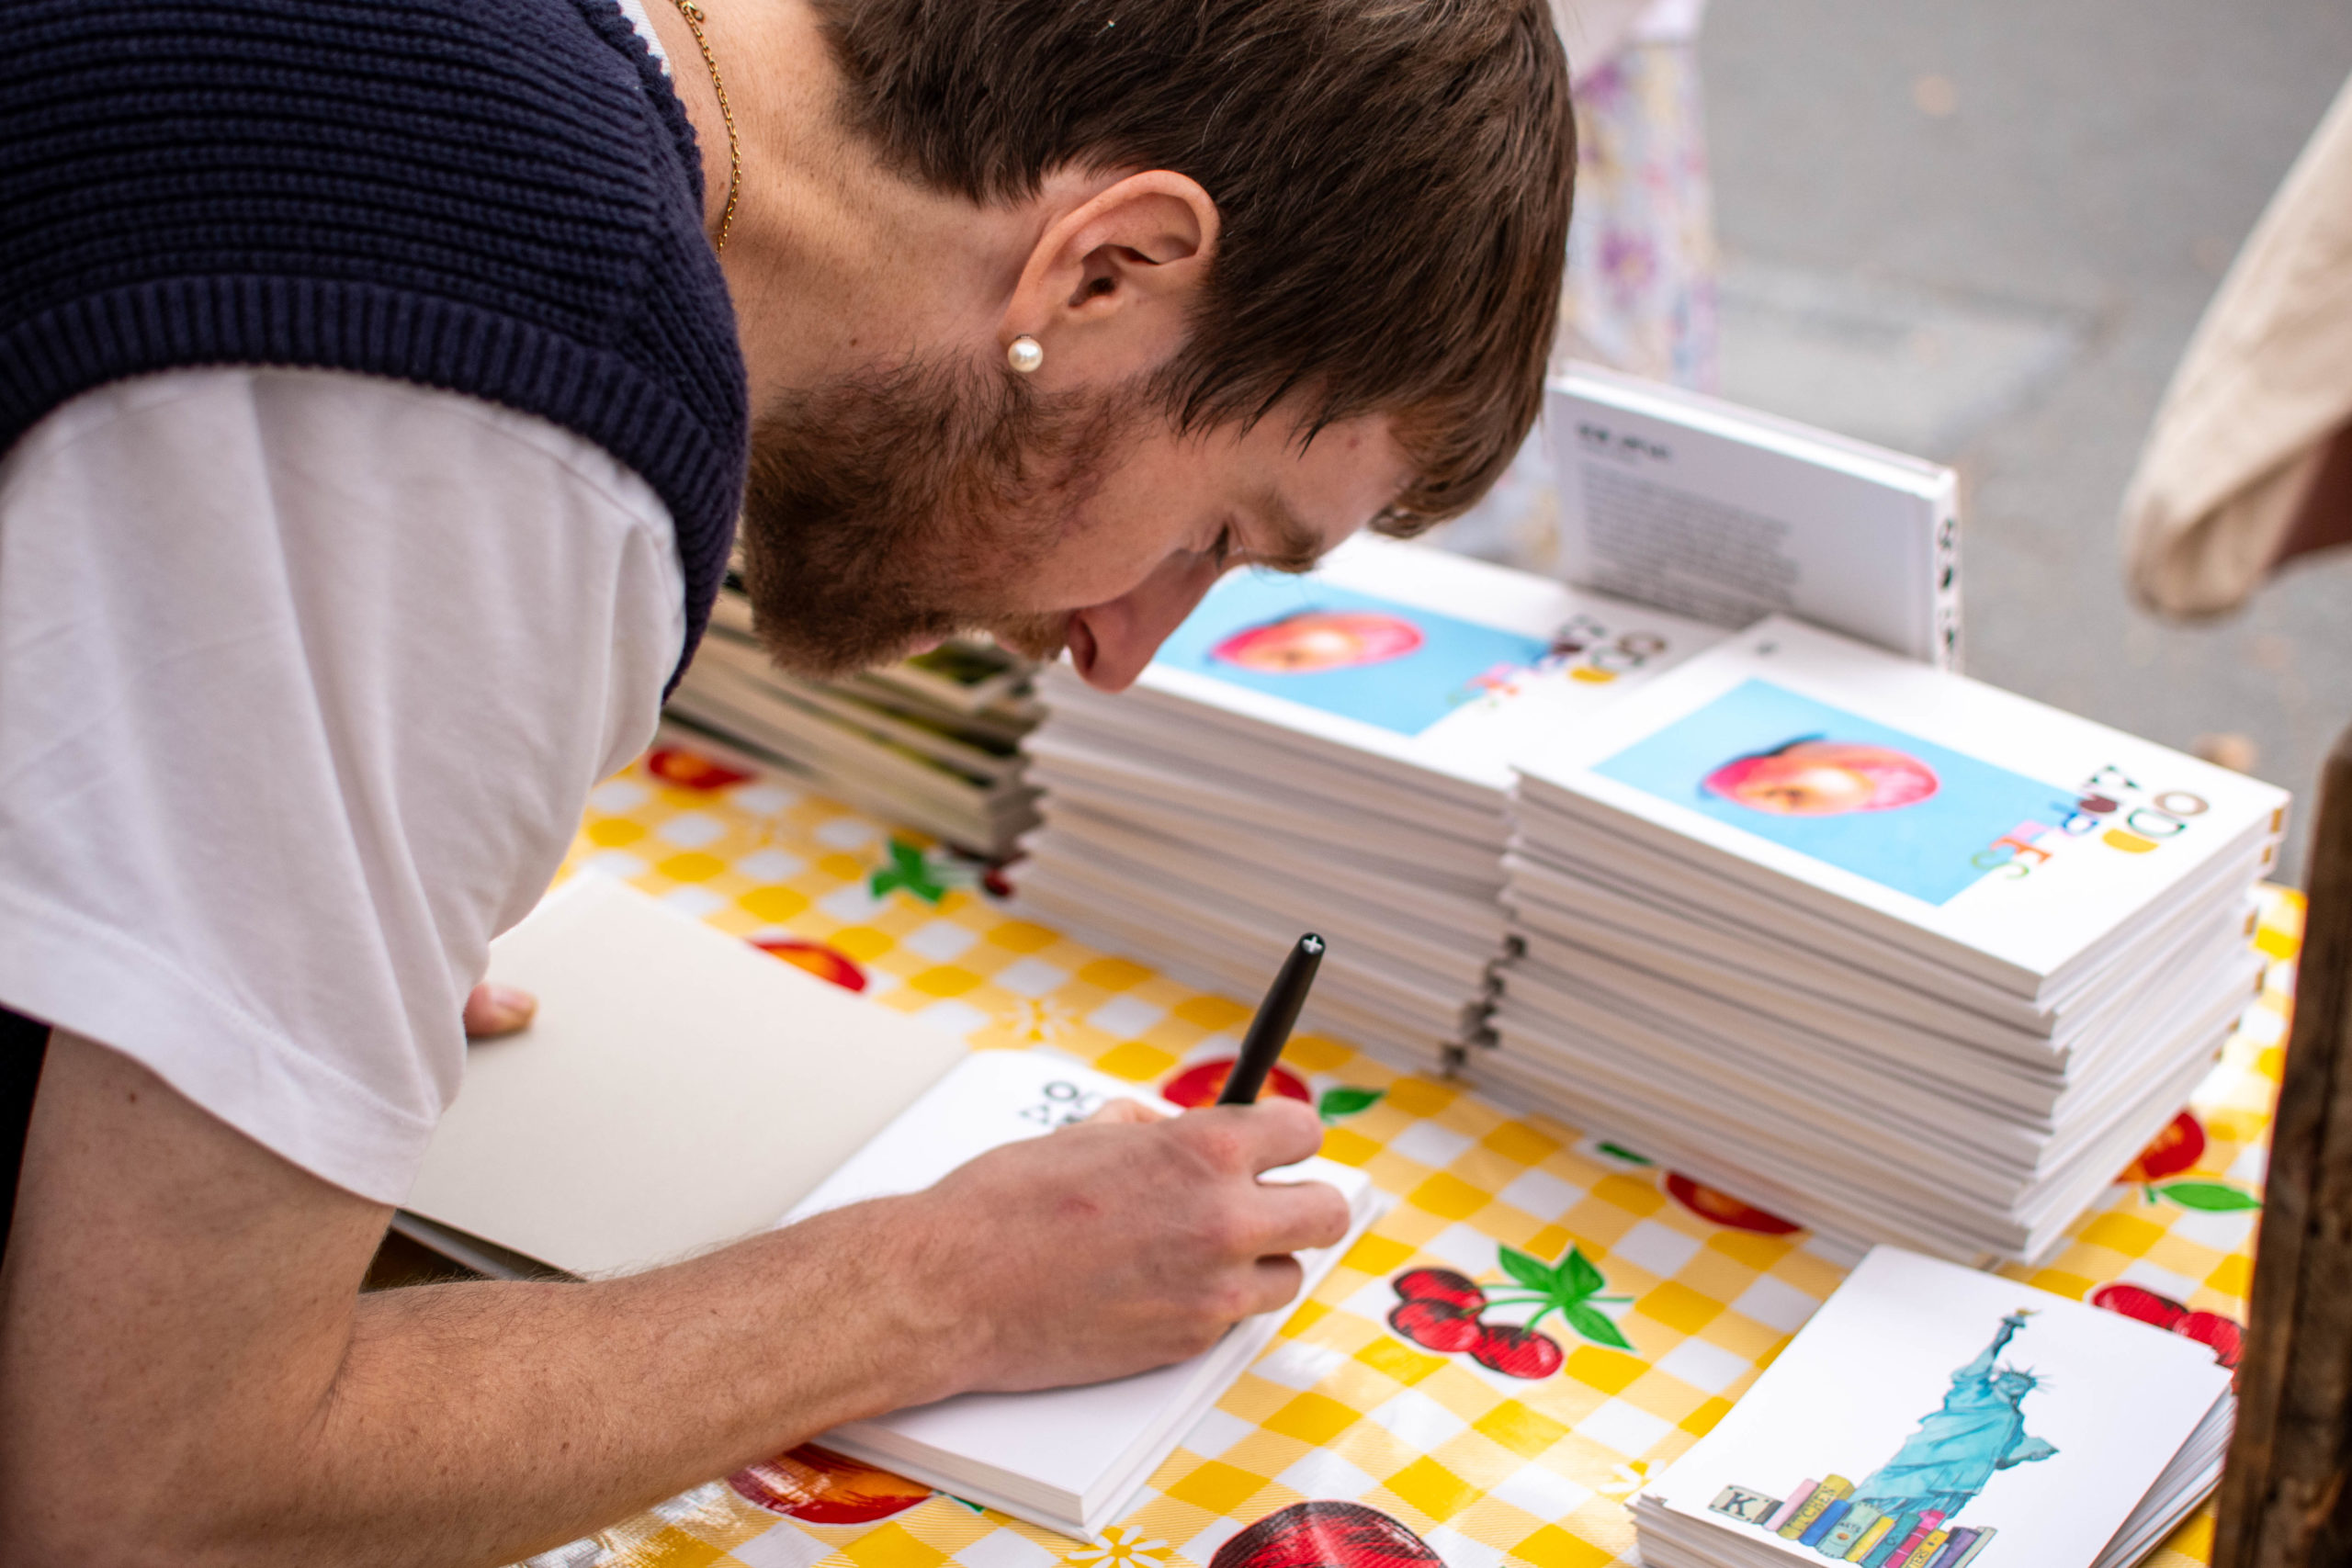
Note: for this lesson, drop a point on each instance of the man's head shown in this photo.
(1294, 268)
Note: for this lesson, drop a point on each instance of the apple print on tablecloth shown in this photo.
(689, 769)
(825, 963)
(1324, 1533)
(2176, 1149)
(1723, 1209)
(1198, 1084)
(2223, 1335)
(1442, 1311)
(819, 1486)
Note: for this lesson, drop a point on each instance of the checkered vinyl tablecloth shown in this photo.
(1485, 1467)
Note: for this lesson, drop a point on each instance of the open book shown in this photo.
(1067, 1459)
(680, 1089)
(1931, 1417)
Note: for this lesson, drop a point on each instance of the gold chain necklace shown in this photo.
(694, 19)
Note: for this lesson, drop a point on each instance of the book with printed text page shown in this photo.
(1671, 498)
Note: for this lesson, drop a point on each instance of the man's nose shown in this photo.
(1120, 637)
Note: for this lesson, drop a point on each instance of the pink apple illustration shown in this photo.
(1816, 777)
(1315, 640)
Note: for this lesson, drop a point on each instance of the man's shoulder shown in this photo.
(333, 138)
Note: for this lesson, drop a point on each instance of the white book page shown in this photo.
(1891, 1364)
(677, 1087)
(1067, 1440)
(1411, 653)
(1986, 819)
(1697, 505)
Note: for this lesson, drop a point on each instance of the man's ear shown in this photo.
(1108, 286)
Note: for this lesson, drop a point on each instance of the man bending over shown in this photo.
(380, 383)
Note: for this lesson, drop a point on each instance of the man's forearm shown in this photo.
(187, 1377)
(500, 1419)
(442, 1425)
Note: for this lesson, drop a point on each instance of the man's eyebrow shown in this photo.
(1297, 548)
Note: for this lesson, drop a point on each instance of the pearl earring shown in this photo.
(1024, 354)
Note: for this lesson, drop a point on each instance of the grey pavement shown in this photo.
(1984, 231)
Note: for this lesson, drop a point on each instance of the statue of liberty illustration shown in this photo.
(1980, 1430)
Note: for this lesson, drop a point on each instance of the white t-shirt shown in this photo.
(304, 680)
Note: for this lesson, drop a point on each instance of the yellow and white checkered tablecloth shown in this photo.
(1483, 1467)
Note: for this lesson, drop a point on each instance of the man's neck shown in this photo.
(834, 260)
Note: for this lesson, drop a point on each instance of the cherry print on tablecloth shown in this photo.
(1440, 1310)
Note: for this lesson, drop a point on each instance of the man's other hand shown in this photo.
(1120, 1244)
(492, 1011)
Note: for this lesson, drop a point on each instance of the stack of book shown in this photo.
(1880, 949)
(1329, 753)
(932, 742)
(1987, 1423)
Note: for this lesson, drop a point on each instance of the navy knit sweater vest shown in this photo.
(502, 200)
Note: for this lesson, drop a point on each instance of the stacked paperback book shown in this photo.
(932, 742)
(1883, 950)
(1930, 1417)
(1330, 753)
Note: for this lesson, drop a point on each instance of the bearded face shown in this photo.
(888, 510)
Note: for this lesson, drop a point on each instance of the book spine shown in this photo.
(1822, 1525)
(1914, 1529)
(1745, 1504)
(1850, 1527)
(1979, 1540)
(1891, 1543)
(1788, 1510)
(1873, 1539)
(1925, 1553)
(1828, 1492)
(1955, 1548)
(1946, 570)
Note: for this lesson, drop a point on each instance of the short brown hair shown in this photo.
(1393, 180)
